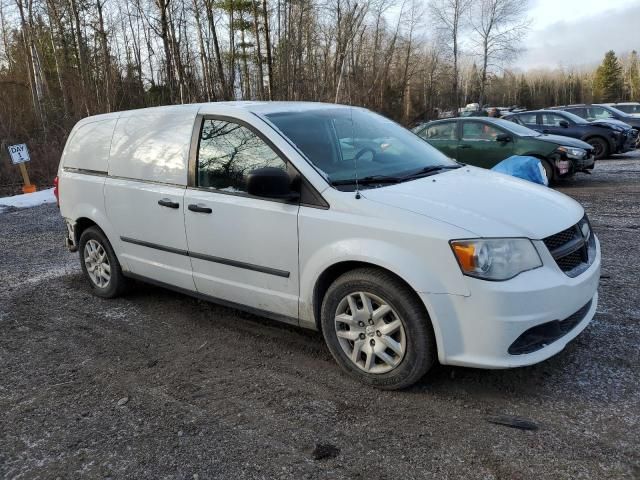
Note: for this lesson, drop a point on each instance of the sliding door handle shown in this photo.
(465, 146)
(199, 208)
(165, 202)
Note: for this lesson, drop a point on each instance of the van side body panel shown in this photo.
(148, 165)
(153, 144)
(83, 171)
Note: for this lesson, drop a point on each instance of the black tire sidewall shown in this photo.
(420, 351)
(548, 167)
(603, 143)
(117, 280)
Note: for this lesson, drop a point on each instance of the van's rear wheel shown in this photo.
(377, 329)
(100, 264)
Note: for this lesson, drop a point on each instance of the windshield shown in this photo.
(616, 111)
(349, 143)
(630, 108)
(517, 128)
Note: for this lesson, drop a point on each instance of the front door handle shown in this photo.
(165, 202)
(545, 130)
(197, 208)
(465, 146)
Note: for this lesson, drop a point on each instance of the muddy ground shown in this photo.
(159, 385)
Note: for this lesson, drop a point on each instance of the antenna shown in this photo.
(355, 157)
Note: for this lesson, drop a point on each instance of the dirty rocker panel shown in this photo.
(209, 258)
(238, 306)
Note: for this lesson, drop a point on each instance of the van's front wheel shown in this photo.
(100, 264)
(377, 329)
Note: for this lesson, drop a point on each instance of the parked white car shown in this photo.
(332, 218)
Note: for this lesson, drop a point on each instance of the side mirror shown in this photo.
(563, 124)
(270, 182)
(503, 137)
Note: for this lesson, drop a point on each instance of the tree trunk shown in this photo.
(268, 48)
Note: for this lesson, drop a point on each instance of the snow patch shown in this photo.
(28, 200)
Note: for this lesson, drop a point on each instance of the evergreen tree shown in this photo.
(524, 93)
(608, 82)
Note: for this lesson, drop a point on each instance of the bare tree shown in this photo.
(498, 27)
(449, 19)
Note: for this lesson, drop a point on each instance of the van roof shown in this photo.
(260, 107)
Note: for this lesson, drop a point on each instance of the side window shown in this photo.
(599, 112)
(581, 112)
(479, 131)
(527, 118)
(551, 119)
(228, 152)
(440, 131)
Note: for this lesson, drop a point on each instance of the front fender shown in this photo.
(431, 270)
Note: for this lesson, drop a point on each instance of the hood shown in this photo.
(566, 141)
(612, 121)
(615, 125)
(486, 203)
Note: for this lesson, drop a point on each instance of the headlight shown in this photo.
(573, 152)
(495, 258)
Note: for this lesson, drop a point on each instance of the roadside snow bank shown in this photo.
(28, 200)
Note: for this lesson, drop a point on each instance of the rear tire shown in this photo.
(600, 147)
(100, 264)
(377, 329)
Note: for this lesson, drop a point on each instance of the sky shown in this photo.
(579, 32)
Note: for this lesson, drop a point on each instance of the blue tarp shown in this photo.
(527, 168)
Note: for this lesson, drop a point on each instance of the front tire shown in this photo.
(600, 147)
(377, 329)
(100, 264)
(549, 171)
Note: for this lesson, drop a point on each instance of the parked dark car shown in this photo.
(605, 137)
(485, 142)
(631, 108)
(601, 112)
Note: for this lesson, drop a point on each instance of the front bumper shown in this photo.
(628, 141)
(586, 163)
(478, 330)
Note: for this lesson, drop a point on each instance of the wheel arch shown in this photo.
(332, 272)
(85, 216)
(609, 141)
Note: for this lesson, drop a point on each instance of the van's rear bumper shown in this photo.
(70, 238)
(515, 323)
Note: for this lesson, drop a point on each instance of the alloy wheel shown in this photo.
(370, 332)
(97, 263)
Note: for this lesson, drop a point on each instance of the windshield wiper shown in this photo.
(369, 180)
(426, 171)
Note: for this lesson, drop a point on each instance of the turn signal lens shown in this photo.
(495, 258)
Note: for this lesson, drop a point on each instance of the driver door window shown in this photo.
(228, 152)
(479, 132)
(599, 113)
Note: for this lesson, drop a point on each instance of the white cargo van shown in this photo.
(331, 218)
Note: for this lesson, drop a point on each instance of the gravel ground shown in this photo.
(159, 385)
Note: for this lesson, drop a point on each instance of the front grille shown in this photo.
(559, 239)
(570, 250)
(542, 335)
(570, 261)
